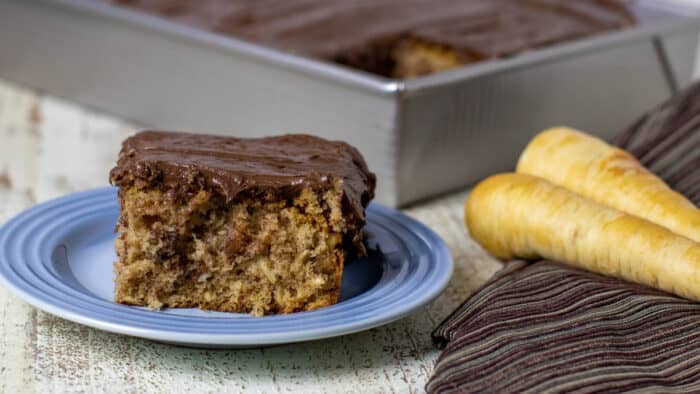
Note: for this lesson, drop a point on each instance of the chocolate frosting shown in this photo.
(270, 168)
(335, 29)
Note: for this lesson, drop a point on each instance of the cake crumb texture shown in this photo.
(251, 256)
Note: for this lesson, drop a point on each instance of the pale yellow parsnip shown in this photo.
(522, 216)
(590, 167)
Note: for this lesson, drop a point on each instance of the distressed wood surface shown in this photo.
(50, 148)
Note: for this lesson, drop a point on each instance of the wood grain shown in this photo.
(50, 148)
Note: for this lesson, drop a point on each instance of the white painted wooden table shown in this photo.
(48, 148)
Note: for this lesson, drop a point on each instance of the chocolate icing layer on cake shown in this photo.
(267, 168)
(365, 33)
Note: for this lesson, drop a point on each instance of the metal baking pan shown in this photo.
(422, 137)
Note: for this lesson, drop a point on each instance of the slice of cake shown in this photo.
(237, 225)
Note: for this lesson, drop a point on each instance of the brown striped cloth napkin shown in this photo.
(544, 327)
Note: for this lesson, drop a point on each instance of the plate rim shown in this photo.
(440, 255)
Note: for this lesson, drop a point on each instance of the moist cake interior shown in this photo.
(251, 256)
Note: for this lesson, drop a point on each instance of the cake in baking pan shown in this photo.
(399, 38)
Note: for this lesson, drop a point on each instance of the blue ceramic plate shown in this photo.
(58, 256)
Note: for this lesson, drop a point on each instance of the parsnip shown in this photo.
(522, 216)
(592, 168)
